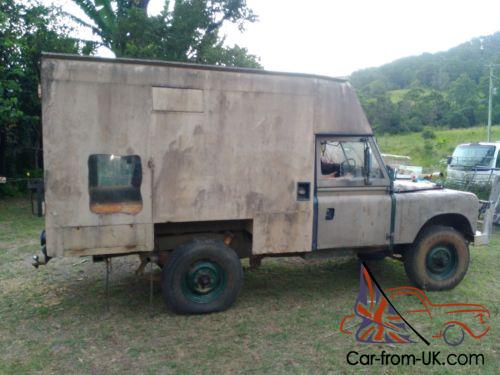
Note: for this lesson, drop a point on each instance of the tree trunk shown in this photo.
(3, 146)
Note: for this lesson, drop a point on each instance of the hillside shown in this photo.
(445, 89)
(431, 152)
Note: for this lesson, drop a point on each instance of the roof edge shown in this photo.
(120, 60)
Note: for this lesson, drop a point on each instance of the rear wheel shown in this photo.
(438, 260)
(201, 277)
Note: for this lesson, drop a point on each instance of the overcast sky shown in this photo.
(337, 37)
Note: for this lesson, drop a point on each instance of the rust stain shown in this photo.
(228, 239)
(130, 208)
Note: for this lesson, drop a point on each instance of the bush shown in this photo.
(12, 189)
(428, 134)
(457, 120)
(414, 124)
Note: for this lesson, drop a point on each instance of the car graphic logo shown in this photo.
(377, 321)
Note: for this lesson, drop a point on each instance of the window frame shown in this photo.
(131, 207)
(357, 182)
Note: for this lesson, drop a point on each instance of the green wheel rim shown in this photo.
(441, 261)
(204, 282)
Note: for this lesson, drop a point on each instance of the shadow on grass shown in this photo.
(283, 284)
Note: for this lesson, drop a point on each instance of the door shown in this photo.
(352, 193)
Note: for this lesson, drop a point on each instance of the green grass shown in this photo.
(286, 319)
(431, 153)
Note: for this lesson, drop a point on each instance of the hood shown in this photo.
(403, 186)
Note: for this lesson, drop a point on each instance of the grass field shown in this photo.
(432, 152)
(286, 319)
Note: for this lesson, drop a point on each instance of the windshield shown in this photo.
(473, 156)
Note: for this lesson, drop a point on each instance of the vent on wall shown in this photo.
(177, 100)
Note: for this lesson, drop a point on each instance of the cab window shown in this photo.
(345, 160)
(115, 183)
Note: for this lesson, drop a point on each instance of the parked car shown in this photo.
(474, 163)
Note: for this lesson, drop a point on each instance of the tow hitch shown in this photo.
(42, 258)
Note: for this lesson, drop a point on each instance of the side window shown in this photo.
(345, 160)
(115, 184)
(498, 161)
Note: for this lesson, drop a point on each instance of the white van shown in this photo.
(474, 163)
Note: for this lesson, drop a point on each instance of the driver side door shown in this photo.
(352, 210)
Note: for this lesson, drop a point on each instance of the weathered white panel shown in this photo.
(416, 208)
(214, 144)
(124, 238)
(362, 217)
(177, 100)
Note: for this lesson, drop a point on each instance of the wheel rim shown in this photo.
(204, 282)
(441, 261)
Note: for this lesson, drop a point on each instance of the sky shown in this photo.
(337, 37)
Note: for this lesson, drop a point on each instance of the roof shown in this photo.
(175, 64)
(496, 144)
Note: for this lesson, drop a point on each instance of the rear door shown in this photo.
(352, 210)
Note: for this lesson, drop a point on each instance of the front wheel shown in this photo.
(438, 260)
(201, 277)
(453, 335)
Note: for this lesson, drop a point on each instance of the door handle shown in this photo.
(330, 213)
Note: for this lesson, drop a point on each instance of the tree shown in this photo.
(457, 119)
(26, 28)
(382, 115)
(186, 30)
(445, 88)
(462, 91)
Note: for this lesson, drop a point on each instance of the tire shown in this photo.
(438, 260)
(201, 277)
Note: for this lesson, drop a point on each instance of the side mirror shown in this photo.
(367, 164)
(449, 159)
